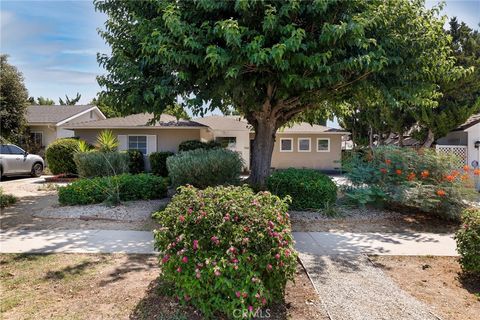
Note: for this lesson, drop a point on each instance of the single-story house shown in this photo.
(464, 141)
(46, 123)
(301, 145)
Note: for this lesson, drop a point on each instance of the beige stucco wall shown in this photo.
(167, 139)
(312, 159)
(49, 133)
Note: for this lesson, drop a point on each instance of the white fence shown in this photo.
(460, 152)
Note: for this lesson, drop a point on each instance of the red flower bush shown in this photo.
(233, 249)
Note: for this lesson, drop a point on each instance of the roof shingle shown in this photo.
(53, 114)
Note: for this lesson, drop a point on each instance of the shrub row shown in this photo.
(308, 188)
(158, 163)
(226, 248)
(123, 187)
(203, 168)
(196, 144)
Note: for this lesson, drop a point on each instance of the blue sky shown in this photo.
(54, 43)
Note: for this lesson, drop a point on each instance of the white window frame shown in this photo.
(309, 145)
(291, 143)
(38, 132)
(328, 139)
(138, 135)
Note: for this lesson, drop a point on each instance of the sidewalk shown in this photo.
(315, 243)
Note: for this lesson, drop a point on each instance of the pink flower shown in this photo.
(269, 267)
(227, 217)
(198, 275)
(238, 294)
(277, 256)
(232, 249)
(250, 308)
(217, 273)
(271, 225)
(215, 240)
(179, 269)
(185, 259)
(264, 301)
(235, 267)
(181, 218)
(190, 210)
(195, 244)
(287, 253)
(165, 258)
(245, 295)
(257, 295)
(235, 260)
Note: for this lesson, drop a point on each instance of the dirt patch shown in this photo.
(350, 219)
(112, 286)
(435, 281)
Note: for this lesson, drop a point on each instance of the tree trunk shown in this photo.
(400, 139)
(262, 149)
(370, 137)
(430, 138)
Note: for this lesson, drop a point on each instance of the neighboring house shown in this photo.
(464, 141)
(301, 146)
(46, 123)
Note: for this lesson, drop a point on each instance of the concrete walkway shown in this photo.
(315, 243)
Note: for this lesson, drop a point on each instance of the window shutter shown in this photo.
(151, 144)
(122, 142)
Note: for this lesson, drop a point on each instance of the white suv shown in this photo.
(16, 161)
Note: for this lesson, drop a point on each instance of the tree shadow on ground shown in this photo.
(134, 263)
(471, 282)
(73, 270)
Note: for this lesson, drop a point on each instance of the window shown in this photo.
(323, 144)
(4, 149)
(91, 114)
(37, 137)
(286, 145)
(138, 143)
(304, 145)
(14, 149)
(227, 142)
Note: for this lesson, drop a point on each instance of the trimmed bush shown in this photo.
(59, 156)
(136, 162)
(196, 144)
(468, 241)
(423, 180)
(101, 164)
(226, 248)
(6, 199)
(158, 162)
(204, 168)
(308, 188)
(123, 187)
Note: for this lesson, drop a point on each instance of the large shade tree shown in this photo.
(270, 60)
(13, 101)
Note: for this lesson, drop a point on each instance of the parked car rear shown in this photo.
(16, 161)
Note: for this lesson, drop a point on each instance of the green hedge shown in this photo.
(196, 144)
(59, 156)
(226, 248)
(203, 168)
(309, 189)
(468, 241)
(123, 187)
(101, 164)
(158, 162)
(136, 161)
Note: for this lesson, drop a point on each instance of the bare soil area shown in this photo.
(115, 286)
(436, 281)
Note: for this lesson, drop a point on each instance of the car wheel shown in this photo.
(37, 170)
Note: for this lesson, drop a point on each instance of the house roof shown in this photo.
(54, 114)
(473, 120)
(139, 120)
(237, 123)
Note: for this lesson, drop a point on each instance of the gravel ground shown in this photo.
(126, 211)
(351, 288)
(344, 212)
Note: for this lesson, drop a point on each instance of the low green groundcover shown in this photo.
(226, 248)
(112, 189)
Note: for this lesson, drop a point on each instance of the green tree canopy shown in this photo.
(270, 60)
(13, 100)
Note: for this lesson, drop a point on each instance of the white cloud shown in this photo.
(83, 52)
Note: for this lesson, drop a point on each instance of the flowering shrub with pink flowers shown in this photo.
(419, 179)
(226, 248)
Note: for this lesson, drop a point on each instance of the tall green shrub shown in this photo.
(226, 248)
(468, 241)
(158, 162)
(136, 161)
(59, 156)
(196, 144)
(101, 164)
(420, 179)
(123, 187)
(308, 188)
(203, 168)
